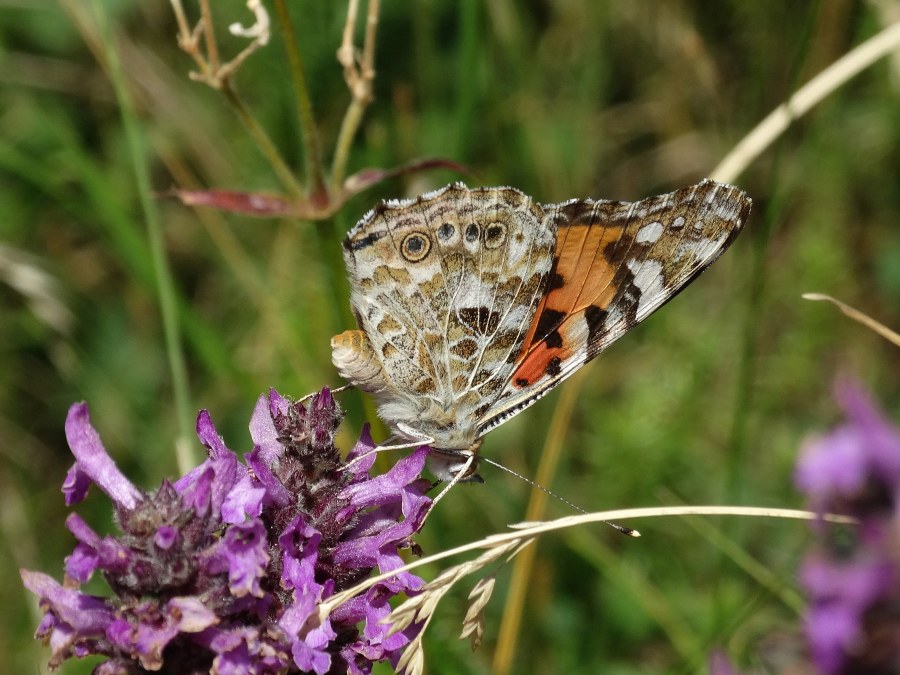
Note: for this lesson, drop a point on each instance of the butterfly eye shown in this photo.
(415, 246)
(445, 231)
(472, 232)
(494, 235)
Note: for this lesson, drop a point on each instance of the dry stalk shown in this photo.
(210, 70)
(359, 73)
(766, 132)
(421, 607)
(473, 624)
(859, 317)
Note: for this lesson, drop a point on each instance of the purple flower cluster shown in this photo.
(853, 578)
(224, 570)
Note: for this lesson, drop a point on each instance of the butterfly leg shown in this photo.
(383, 448)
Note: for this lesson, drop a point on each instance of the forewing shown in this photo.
(614, 264)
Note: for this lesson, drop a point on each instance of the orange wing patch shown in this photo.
(546, 358)
(583, 274)
(615, 263)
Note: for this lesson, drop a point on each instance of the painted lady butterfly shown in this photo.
(474, 303)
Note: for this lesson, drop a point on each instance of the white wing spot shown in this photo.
(678, 223)
(648, 278)
(649, 233)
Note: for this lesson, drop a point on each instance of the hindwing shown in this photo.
(444, 289)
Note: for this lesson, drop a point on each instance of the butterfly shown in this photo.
(474, 303)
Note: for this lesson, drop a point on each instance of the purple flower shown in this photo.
(853, 579)
(224, 569)
(856, 466)
(719, 664)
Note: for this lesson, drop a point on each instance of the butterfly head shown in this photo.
(459, 465)
(451, 458)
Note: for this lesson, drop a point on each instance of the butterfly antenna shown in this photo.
(624, 530)
(533, 484)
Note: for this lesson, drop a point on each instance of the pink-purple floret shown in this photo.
(852, 580)
(224, 570)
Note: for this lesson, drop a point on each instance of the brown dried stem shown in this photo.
(211, 71)
(859, 317)
(359, 75)
(507, 637)
(838, 73)
(420, 607)
(212, 47)
(218, 75)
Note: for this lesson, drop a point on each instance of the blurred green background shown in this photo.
(708, 402)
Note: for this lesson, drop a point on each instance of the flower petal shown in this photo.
(82, 562)
(275, 490)
(191, 614)
(94, 461)
(242, 552)
(262, 428)
(206, 432)
(245, 500)
(76, 485)
(85, 614)
(385, 489)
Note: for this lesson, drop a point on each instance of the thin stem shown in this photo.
(263, 141)
(368, 61)
(212, 49)
(525, 531)
(309, 133)
(838, 73)
(856, 315)
(645, 592)
(189, 39)
(763, 575)
(349, 125)
(165, 284)
(184, 29)
(359, 80)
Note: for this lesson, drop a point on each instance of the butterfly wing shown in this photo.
(444, 288)
(614, 264)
